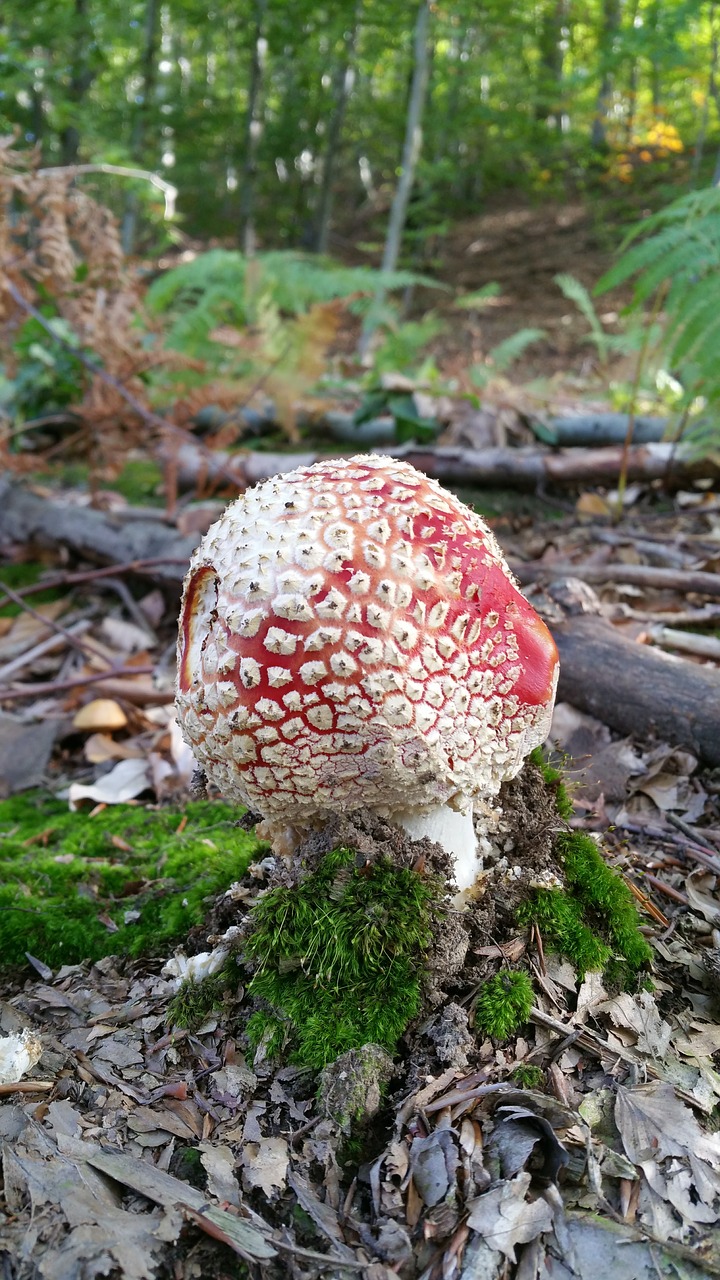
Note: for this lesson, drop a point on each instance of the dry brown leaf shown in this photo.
(265, 1164)
(504, 1217)
(102, 714)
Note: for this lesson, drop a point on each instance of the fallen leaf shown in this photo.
(504, 1218)
(127, 780)
(265, 1164)
(100, 714)
(18, 1054)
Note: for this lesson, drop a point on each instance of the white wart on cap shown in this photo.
(350, 636)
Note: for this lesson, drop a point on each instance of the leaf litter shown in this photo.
(139, 1148)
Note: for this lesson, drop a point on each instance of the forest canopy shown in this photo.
(267, 116)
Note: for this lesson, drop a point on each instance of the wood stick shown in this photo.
(638, 575)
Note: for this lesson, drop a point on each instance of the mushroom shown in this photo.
(350, 636)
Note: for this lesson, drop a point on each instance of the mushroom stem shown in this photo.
(452, 830)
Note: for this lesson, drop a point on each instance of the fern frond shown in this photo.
(503, 355)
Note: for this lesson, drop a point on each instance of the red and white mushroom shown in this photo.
(351, 636)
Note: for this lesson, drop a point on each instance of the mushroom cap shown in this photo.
(350, 634)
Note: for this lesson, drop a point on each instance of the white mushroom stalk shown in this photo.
(351, 636)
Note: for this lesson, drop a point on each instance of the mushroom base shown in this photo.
(453, 831)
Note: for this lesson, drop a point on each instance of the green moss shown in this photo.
(528, 1077)
(140, 481)
(340, 957)
(504, 1004)
(22, 575)
(553, 778)
(195, 1000)
(594, 922)
(75, 887)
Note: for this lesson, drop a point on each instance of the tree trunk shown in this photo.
(548, 103)
(142, 115)
(411, 154)
(342, 85)
(81, 77)
(253, 130)
(610, 27)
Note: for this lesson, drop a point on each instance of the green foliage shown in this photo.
(403, 342)
(504, 1004)
(340, 957)
(48, 377)
(67, 893)
(594, 921)
(409, 424)
(479, 299)
(676, 267)
(221, 287)
(605, 343)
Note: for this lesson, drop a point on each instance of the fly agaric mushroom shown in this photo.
(350, 636)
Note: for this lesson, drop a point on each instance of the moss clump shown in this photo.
(195, 1000)
(128, 880)
(504, 1004)
(594, 922)
(553, 779)
(340, 957)
(528, 1077)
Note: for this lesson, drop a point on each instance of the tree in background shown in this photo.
(284, 122)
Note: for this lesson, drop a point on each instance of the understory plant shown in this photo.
(674, 259)
(273, 316)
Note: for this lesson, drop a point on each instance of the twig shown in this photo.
(71, 171)
(707, 857)
(640, 575)
(86, 647)
(667, 889)
(39, 650)
(89, 575)
(27, 1086)
(59, 686)
(691, 833)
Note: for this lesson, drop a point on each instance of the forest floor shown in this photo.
(165, 1152)
(136, 1147)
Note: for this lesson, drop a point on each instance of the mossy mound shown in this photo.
(128, 880)
(504, 1004)
(341, 958)
(593, 921)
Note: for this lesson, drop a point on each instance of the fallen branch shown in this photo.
(637, 575)
(20, 691)
(599, 429)
(636, 689)
(523, 468)
(26, 517)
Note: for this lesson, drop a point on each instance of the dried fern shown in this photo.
(61, 263)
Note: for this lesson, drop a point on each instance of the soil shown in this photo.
(522, 247)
